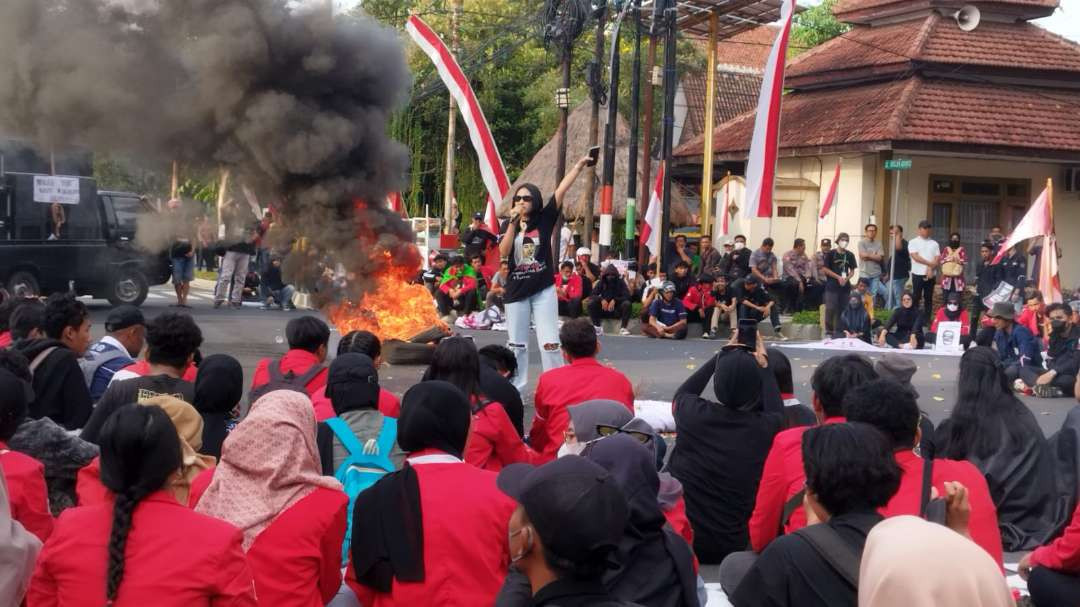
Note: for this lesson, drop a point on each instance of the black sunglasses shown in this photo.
(606, 430)
(525, 198)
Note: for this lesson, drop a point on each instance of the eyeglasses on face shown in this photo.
(606, 430)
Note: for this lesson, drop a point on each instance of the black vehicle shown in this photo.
(87, 247)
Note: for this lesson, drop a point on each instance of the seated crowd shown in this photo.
(324, 488)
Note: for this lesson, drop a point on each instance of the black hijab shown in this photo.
(388, 526)
(353, 383)
(954, 298)
(219, 385)
(854, 317)
(906, 318)
(738, 383)
(655, 567)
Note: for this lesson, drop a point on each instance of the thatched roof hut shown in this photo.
(541, 171)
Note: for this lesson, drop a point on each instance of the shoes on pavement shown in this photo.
(779, 333)
(1019, 385)
(217, 304)
(624, 331)
(706, 335)
(237, 306)
(1048, 391)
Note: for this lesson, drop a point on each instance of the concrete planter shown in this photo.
(803, 332)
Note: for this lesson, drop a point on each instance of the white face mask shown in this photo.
(571, 449)
(952, 307)
(739, 245)
(841, 244)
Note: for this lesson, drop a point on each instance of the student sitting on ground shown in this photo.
(952, 311)
(28, 497)
(274, 290)
(143, 548)
(667, 315)
(725, 308)
(304, 364)
(854, 321)
(218, 389)
(568, 290)
(368, 344)
(1063, 358)
(171, 342)
(850, 474)
(700, 304)
(124, 340)
(905, 328)
(610, 299)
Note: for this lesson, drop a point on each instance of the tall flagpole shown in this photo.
(710, 120)
(635, 120)
(451, 131)
(670, 15)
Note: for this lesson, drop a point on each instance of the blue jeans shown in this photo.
(282, 296)
(183, 269)
(542, 309)
(897, 290)
(877, 287)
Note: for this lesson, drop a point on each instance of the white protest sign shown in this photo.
(50, 188)
(948, 337)
(1000, 293)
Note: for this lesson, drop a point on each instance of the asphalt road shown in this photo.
(656, 368)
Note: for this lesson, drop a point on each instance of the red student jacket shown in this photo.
(296, 561)
(297, 361)
(466, 556)
(676, 517)
(389, 405)
(1062, 554)
(583, 379)
(174, 557)
(27, 495)
(89, 489)
(699, 297)
(574, 288)
(984, 522)
(781, 478)
(494, 442)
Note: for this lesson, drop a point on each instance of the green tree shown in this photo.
(816, 25)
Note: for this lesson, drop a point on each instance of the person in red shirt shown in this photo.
(27, 494)
(144, 548)
(189, 429)
(584, 378)
(433, 533)
(308, 339)
(952, 311)
(700, 304)
(493, 441)
(269, 483)
(457, 293)
(1052, 570)
(568, 289)
(783, 477)
(359, 342)
(889, 407)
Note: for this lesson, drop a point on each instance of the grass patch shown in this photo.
(206, 274)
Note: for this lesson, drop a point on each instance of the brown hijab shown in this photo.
(189, 427)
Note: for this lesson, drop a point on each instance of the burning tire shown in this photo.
(129, 286)
(23, 284)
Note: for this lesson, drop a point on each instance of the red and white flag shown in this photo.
(1038, 221)
(1049, 280)
(491, 219)
(397, 204)
(650, 229)
(724, 214)
(491, 165)
(826, 205)
(761, 166)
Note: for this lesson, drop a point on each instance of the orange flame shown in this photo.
(395, 310)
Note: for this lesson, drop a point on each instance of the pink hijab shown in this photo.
(268, 463)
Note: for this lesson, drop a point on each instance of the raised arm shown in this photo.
(568, 180)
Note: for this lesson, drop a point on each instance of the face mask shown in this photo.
(952, 307)
(571, 449)
(954, 243)
(739, 246)
(1057, 326)
(841, 244)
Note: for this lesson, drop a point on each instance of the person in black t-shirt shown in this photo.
(529, 293)
(900, 268)
(478, 239)
(839, 265)
(756, 304)
(171, 342)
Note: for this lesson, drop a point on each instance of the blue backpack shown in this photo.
(364, 465)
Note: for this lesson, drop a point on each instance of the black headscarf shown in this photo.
(219, 385)
(737, 383)
(655, 567)
(353, 383)
(388, 526)
(854, 317)
(954, 298)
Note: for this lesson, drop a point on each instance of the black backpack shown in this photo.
(284, 381)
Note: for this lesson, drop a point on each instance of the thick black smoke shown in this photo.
(294, 102)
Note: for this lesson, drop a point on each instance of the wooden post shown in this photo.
(175, 180)
(594, 126)
(710, 119)
(222, 189)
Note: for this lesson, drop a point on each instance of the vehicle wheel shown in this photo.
(128, 287)
(23, 284)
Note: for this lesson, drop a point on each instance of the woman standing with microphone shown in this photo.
(530, 287)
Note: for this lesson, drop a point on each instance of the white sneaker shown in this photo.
(599, 330)
(624, 331)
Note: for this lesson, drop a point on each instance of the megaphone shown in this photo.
(968, 17)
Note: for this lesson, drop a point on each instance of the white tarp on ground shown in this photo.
(858, 345)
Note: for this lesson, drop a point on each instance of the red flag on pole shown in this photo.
(1049, 280)
(727, 204)
(396, 204)
(650, 229)
(761, 166)
(826, 205)
(491, 219)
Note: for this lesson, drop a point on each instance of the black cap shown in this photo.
(925, 224)
(826, 241)
(575, 505)
(122, 317)
(478, 216)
